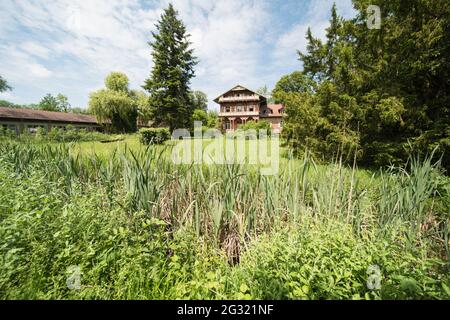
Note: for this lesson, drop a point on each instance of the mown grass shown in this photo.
(140, 227)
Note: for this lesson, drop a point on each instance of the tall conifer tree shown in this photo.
(169, 82)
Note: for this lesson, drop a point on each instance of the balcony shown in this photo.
(239, 114)
(253, 97)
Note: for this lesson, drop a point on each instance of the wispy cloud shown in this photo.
(317, 17)
(70, 46)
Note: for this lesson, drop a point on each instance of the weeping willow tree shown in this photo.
(116, 106)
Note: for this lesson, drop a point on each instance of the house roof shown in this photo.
(237, 88)
(29, 114)
(275, 108)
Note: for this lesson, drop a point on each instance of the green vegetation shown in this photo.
(260, 125)
(116, 106)
(173, 69)
(70, 134)
(140, 227)
(198, 101)
(154, 135)
(382, 93)
(4, 85)
(209, 119)
(60, 103)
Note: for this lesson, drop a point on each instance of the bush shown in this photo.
(260, 125)
(154, 135)
(6, 132)
(41, 133)
(54, 134)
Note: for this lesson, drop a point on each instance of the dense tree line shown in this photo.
(377, 94)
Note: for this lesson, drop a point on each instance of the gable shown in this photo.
(236, 89)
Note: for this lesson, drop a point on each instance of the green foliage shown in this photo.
(172, 72)
(140, 227)
(301, 127)
(200, 115)
(70, 134)
(60, 103)
(79, 110)
(6, 132)
(209, 119)
(145, 111)
(4, 85)
(213, 120)
(117, 81)
(7, 104)
(198, 100)
(154, 135)
(63, 103)
(262, 125)
(49, 103)
(115, 104)
(381, 92)
(296, 82)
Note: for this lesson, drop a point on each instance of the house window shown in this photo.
(228, 125)
(227, 109)
(239, 109)
(251, 109)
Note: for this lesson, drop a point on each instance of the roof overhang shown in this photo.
(239, 88)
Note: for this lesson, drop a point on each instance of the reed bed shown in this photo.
(143, 227)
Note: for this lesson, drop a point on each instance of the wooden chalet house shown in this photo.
(240, 105)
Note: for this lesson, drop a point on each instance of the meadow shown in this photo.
(138, 226)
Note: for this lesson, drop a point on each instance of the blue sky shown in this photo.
(69, 46)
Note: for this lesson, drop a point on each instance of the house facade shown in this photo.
(240, 105)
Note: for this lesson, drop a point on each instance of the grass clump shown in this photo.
(140, 227)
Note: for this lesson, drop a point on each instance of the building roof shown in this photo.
(30, 114)
(238, 88)
(276, 111)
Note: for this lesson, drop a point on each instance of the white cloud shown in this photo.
(72, 45)
(20, 66)
(35, 49)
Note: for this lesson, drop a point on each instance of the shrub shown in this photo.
(260, 125)
(6, 132)
(54, 134)
(41, 133)
(154, 135)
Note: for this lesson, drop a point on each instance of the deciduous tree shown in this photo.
(115, 104)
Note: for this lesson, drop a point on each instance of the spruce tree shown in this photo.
(169, 82)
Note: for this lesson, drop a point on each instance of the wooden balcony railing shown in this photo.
(253, 97)
(239, 114)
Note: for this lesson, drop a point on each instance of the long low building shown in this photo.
(28, 120)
